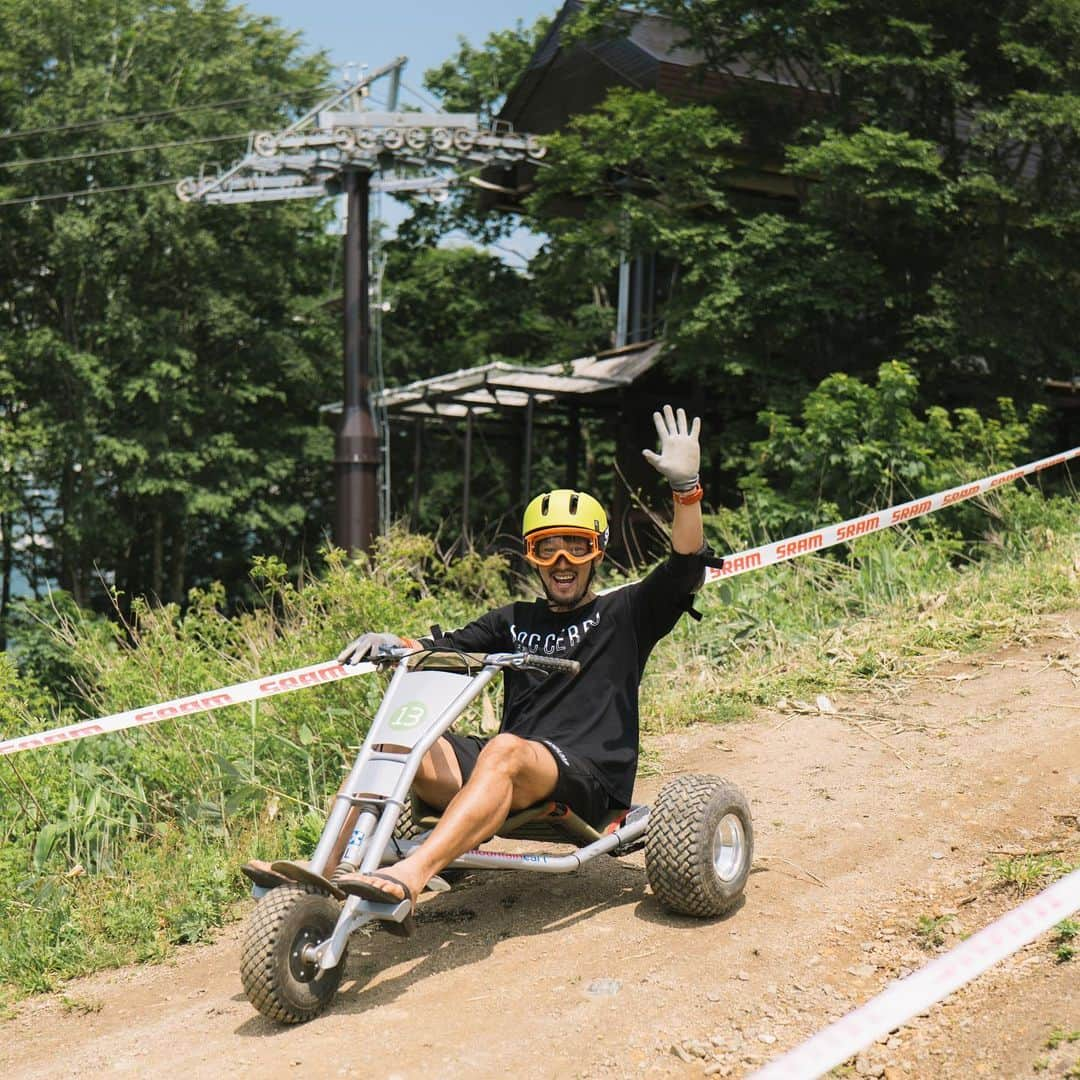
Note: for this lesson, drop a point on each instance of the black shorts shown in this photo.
(577, 786)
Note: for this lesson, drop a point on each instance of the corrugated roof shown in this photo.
(499, 385)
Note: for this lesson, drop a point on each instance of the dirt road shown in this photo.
(877, 828)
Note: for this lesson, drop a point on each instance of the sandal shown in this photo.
(301, 874)
(361, 885)
(259, 873)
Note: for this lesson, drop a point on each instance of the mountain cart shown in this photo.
(698, 836)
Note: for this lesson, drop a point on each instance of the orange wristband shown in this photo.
(410, 643)
(688, 498)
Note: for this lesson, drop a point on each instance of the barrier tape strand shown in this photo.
(843, 531)
(253, 690)
(914, 994)
(738, 563)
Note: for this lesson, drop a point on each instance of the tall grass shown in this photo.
(117, 848)
(888, 604)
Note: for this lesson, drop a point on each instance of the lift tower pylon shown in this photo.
(340, 146)
(356, 442)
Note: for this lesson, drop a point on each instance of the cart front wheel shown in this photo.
(277, 978)
(699, 845)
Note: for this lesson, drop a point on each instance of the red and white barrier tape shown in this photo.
(268, 686)
(739, 563)
(916, 993)
(830, 535)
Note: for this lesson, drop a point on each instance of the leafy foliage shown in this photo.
(143, 341)
(859, 446)
(932, 158)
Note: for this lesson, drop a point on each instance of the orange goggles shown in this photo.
(547, 546)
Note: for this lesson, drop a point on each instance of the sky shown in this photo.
(426, 31)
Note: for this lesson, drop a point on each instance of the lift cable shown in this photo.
(87, 191)
(103, 121)
(422, 97)
(85, 155)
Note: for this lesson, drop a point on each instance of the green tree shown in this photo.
(934, 155)
(476, 79)
(174, 354)
(857, 445)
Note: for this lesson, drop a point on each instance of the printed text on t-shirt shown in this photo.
(552, 643)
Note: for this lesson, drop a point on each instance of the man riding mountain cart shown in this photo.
(565, 755)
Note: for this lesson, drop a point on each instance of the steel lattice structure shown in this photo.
(337, 147)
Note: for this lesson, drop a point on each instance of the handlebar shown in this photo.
(389, 654)
(550, 663)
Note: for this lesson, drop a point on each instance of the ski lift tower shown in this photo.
(341, 146)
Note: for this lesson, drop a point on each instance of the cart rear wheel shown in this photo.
(277, 979)
(699, 845)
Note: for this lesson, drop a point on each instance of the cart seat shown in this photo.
(547, 822)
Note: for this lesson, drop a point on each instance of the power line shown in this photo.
(84, 125)
(86, 191)
(121, 150)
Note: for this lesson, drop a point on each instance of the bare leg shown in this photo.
(511, 773)
(438, 779)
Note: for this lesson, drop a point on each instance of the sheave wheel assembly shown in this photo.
(277, 978)
(699, 845)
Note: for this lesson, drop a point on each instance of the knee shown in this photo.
(504, 754)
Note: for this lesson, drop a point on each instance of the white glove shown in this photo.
(680, 455)
(366, 647)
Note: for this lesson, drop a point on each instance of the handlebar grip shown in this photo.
(553, 663)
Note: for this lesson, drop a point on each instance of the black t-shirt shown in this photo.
(595, 714)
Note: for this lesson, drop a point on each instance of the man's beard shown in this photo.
(567, 605)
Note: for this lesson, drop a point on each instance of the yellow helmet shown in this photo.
(564, 513)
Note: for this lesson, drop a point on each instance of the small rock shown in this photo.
(603, 988)
(937, 854)
(696, 1048)
(862, 971)
(766, 1037)
(681, 1054)
(742, 976)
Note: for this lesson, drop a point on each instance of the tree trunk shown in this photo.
(178, 569)
(71, 548)
(7, 554)
(157, 573)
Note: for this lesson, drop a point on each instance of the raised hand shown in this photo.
(679, 459)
